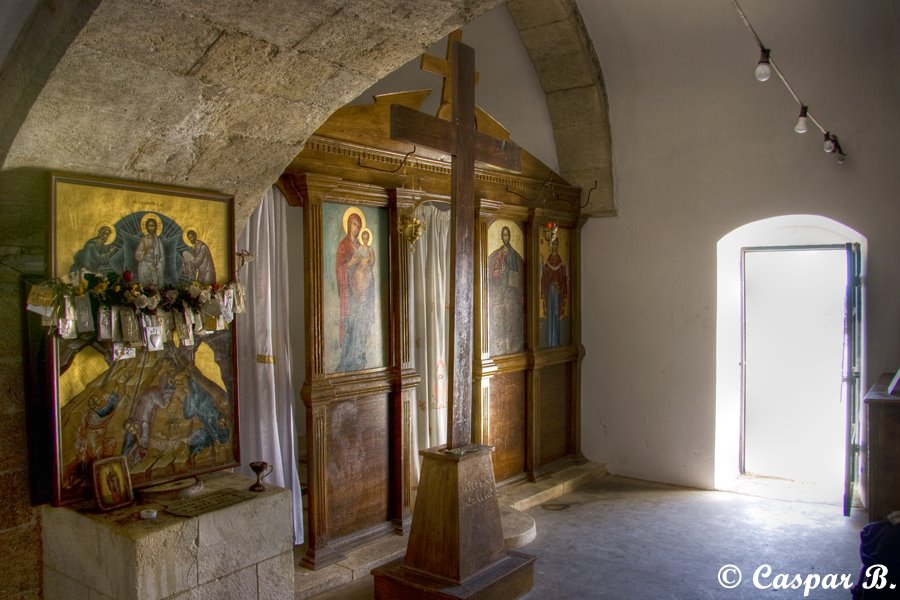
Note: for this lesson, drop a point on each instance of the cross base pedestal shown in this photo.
(456, 547)
(510, 578)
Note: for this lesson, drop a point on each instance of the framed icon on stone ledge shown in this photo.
(142, 362)
(112, 485)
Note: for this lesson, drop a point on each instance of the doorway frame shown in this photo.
(784, 230)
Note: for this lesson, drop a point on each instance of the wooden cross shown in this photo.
(459, 138)
(442, 67)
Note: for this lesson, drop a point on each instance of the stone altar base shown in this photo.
(238, 551)
(456, 547)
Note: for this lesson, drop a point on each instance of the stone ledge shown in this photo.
(518, 528)
(354, 565)
(308, 583)
(526, 494)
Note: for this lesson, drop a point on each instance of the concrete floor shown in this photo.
(623, 538)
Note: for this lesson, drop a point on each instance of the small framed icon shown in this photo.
(112, 484)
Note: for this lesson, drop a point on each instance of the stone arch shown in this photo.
(221, 95)
(569, 71)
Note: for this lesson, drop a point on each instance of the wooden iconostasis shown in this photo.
(358, 188)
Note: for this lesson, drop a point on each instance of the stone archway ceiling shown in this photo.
(215, 94)
(222, 94)
(569, 71)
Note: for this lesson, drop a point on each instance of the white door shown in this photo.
(795, 415)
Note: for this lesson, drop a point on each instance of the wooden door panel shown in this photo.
(555, 411)
(357, 464)
(507, 424)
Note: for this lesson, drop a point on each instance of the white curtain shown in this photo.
(265, 390)
(430, 280)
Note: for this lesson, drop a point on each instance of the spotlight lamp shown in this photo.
(800, 127)
(833, 146)
(763, 67)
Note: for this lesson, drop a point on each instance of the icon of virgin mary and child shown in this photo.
(355, 273)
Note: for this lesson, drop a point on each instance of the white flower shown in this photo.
(141, 301)
(153, 302)
(194, 290)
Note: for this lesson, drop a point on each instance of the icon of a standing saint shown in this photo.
(150, 255)
(506, 300)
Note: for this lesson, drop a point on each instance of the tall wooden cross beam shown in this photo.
(442, 67)
(460, 138)
(456, 547)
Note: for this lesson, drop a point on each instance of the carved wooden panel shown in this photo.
(556, 412)
(507, 424)
(358, 447)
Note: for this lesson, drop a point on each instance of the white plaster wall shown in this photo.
(701, 148)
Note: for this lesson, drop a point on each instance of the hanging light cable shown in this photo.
(764, 68)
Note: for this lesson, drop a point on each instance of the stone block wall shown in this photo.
(22, 239)
(242, 551)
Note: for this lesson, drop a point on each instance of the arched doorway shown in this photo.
(777, 270)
